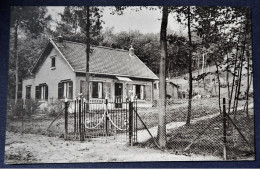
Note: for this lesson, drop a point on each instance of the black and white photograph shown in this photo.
(129, 84)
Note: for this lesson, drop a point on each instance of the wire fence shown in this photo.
(32, 116)
(205, 135)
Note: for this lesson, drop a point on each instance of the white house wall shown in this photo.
(113, 81)
(51, 77)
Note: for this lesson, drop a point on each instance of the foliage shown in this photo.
(23, 108)
(31, 107)
(27, 24)
(73, 24)
(54, 108)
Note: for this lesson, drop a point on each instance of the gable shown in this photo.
(49, 50)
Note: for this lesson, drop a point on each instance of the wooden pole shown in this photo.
(224, 130)
(66, 119)
(131, 122)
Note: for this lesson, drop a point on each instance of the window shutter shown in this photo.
(37, 92)
(129, 87)
(60, 90)
(134, 90)
(46, 92)
(142, 92)
(147, 92)
(70, 90)
(82, 87)
(100, 90)
(107, 90)
(90, 89)
(28, 92)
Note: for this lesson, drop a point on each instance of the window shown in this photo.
(52, 62)
(142, 92)
(155, 85)
(28, 92)
(138, 91)
(96, 89)
(41, 92)
(65, 90)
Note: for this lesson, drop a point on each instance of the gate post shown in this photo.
(107, 118)
(81, 134)
(224, 130)
(131, 122)
(66, 119)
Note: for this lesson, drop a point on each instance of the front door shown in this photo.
(118, 95)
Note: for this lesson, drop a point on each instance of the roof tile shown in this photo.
(104, 60)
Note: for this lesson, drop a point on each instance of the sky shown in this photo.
(146, 21)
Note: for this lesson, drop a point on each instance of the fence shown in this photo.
(205, 135)
(36, 117)
(101, 119)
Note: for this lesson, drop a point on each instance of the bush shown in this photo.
(15, 110)
(54, 108)
(31, 107)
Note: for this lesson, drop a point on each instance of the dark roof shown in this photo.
(176, 85)
(103, 60)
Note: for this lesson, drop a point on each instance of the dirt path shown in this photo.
(29, 148)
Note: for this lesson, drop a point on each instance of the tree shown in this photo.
(162, 77)
(190, 68)
(162, 72)
(73, 24)
(184, 13)
(31, 20)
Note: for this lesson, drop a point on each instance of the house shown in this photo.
(172, 90)
(60, 70)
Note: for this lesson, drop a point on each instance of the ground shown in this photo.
(30, 148)
(37, 147)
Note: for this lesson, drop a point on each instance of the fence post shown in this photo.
(224, 130)
(81, 134)
(75, 116)
(106, 121)
(131, 122)
(66, 119)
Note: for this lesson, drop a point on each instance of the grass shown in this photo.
(210, 141)
(177, 111)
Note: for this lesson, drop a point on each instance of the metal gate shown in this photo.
(103, 118)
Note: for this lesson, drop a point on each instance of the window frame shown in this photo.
(65, 89)
(99, 91)
(53, 62)
(30, 92)
(41, 92)
(142, 91)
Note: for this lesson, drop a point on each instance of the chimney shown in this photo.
(60, 39)
(131, 51)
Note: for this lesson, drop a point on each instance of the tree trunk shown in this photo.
(87, 52)
(241, 66)
(248, 85)
(162, 87)
(86, 95)
(16, 61)
(234, 77)
(190, 71)
(219, 103)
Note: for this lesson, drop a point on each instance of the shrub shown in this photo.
(55, 107)
(14, 110)
(31, 107)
